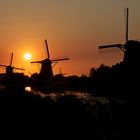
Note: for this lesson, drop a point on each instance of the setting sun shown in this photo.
(27, 56)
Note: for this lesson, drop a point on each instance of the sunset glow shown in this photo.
(72, 28)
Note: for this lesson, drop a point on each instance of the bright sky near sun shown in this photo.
(27, 56)
(73, 28)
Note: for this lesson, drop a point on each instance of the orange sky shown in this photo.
(73, 28)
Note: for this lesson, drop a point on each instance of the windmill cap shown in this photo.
(132, 44)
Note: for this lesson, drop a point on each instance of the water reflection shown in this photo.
(83, 97)
(86, 112)
(28, 89)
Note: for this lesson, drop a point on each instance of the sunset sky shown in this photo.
(73, 28)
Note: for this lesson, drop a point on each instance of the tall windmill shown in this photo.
(131, 48)
(9, 68)
(46, 72)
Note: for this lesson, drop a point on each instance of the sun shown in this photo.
(27, 56)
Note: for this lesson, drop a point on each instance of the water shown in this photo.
(83, 97)
(73, 114)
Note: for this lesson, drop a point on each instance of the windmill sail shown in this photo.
(127, 24)
(110, 46)
(121, 46)
(36, 62)
(11, 59)
(3, 65)
(60, 59)
(47, 49)
(18, 68)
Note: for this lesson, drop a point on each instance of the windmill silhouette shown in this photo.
(131, 48)
(46, 72)
(10, 68)
(61, 72)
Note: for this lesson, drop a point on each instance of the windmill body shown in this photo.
(46, 72)
(132, 53)
(9, 70)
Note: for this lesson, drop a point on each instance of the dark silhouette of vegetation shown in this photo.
(15, 79)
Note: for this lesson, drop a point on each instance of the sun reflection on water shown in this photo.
(28, 89)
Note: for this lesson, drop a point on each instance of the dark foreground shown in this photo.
(66, 115)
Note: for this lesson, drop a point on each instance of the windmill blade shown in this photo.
(36, 62)
(11, 59)
(47, 49)
(110, 46)
(60, 59)
(3, 65)
(127, 16)
(18, 68)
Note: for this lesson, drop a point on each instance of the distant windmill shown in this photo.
(46, 73)
(9, 68)
(131, 48)
(61, 72)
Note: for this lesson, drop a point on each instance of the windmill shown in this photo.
(9, 68)
(131, 48)
(46, 72)
(61, 72)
